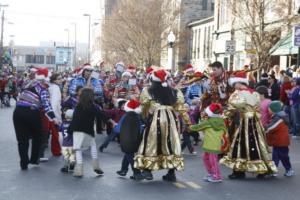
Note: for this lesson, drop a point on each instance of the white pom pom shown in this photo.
(164, 84)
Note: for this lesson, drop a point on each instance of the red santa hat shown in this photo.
(133, 106)
(78, 70)
(41, 73)
(238, 77)
(198, 74)
(33, 70)
(160, 76)
(88, 66)
(150, 70)
(189, 68)
(131, 69)
(214, 110)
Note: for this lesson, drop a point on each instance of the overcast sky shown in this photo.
(44, 20)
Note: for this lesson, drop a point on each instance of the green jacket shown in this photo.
(214, 129)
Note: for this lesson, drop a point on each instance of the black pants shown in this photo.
(28, 125)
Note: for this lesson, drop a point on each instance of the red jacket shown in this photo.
(278, 134)
(283, 95)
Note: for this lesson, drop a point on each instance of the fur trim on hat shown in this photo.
(210, 113)
(234, 80)
(133, 106)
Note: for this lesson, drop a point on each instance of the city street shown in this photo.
(47, 182)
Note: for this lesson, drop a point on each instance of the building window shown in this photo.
(204, 4)
(35, 59)
(199, 44)
(208, 43)
(212, 7)
(29, 59)
(194, 44)
(204, 43)
(50, 60)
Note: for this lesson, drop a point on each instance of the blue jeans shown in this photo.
(281, 154)
(128, 159)
(295, 110)
(187, 142)
(108, 139)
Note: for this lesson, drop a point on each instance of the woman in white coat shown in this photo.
(55, 100)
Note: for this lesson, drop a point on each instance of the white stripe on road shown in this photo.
(193, 185)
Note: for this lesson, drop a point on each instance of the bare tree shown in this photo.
(262, 21)
(134, 30)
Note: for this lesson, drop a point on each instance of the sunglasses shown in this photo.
(89, 70)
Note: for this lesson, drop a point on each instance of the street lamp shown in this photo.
(75, 45)
(171, 40)
(89, 37)
(68, 56)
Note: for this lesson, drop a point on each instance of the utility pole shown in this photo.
(75, 46)
(232, 34)
(89, 37)
(2, 31)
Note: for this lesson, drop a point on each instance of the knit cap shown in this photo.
(275, 106)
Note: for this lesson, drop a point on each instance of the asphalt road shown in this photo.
(46, 182)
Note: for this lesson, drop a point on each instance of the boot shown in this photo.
(65, 169)
(122, 172)
(96, 167)
(137, 175)
(78, 172)
(237, 175)
(72, 166)
(170, 176)
(147, 175)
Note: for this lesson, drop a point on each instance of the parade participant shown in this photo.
(215, 141)
(67, 143)
(130, 128)
(219, 90)
(195, 90)
(248, 151)
(278, 137)
(55, 100)
(82, 128)
(123, 87)
(27, 120)
(85, 79)
(115, 114)
(160, 147)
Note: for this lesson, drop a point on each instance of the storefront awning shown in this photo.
(284, 47)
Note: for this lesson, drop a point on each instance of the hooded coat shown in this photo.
(278, 131)
(214, 132)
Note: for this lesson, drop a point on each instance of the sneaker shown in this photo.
(295, 137)
(214, 180)
(44, 159)
(194, 153)
(274, 175)
(122, 172)
(72, 166)
(101, 148)
(289, 173)
(208, 176)
(65, 169)
(147, 175)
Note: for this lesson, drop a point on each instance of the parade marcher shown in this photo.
(219, 90)
(82, 128)
(85, 79)
(27, 120)
(115, 114)
(248, 151)
(67, 143)
(160, 147)
(55, 100)
(130, 128)
(215, 141)
(278, 137)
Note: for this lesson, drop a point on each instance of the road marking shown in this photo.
(179, 185)
(193, 185)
